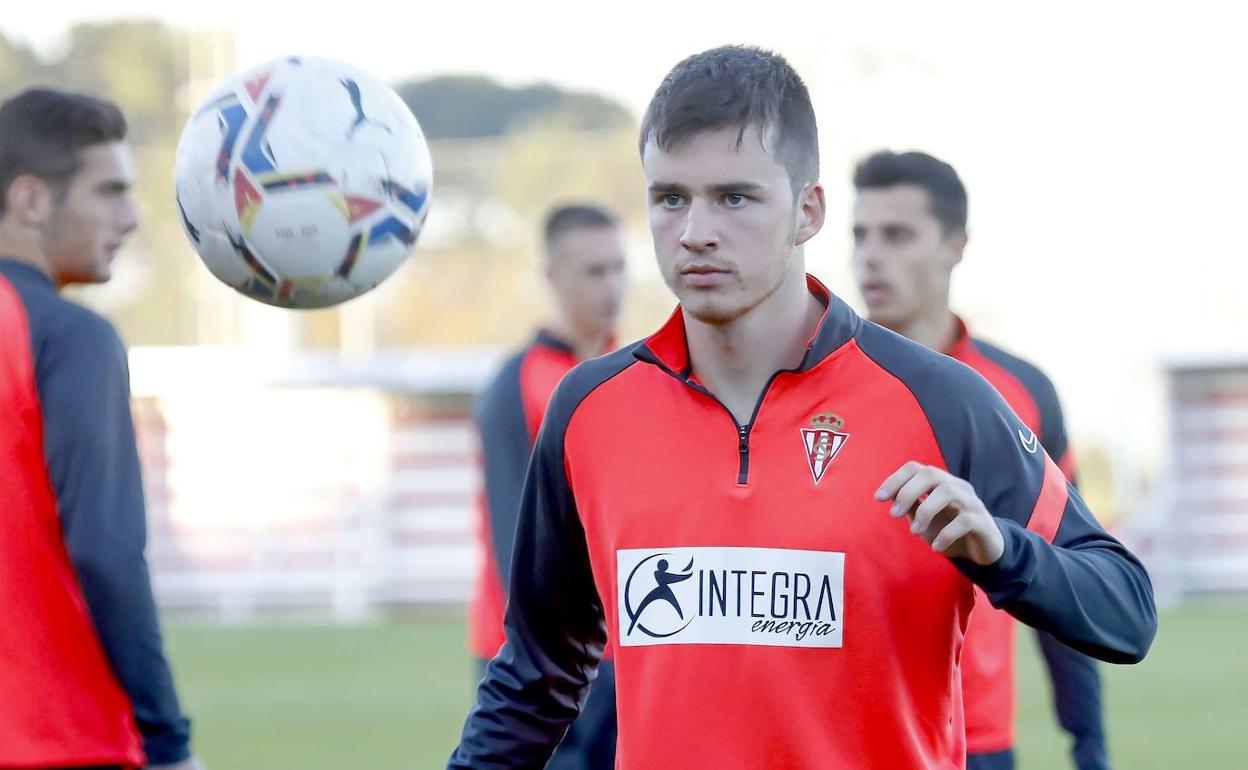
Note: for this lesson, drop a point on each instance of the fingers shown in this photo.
(907, 487)
(888, 490)
(958, 528)
(942, 506)
(937, 500)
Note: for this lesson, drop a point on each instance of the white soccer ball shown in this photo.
(303, 182)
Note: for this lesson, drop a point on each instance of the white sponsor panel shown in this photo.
(762, 596)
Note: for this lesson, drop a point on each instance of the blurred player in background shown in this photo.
(909, 229)
(584, 266)
(83, 678)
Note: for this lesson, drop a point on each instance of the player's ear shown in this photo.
(957, 244)
(29, 201)
(811, 210)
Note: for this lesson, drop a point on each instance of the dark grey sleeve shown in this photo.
(93, 463)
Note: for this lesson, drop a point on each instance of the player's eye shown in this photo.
(898, 235)
(735, 200)
(671, 201)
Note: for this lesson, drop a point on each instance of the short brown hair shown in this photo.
(42, 131)
(570, 217)
(738, 86)
(946, 195)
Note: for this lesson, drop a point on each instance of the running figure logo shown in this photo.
(662, 592)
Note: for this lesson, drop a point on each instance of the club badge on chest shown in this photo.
(823, 441)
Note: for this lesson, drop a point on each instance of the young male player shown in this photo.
(832, 489)
(83, 679)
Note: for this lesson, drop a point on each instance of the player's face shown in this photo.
(587, 274)
(902, 259)
(725, 222)
(87, 227)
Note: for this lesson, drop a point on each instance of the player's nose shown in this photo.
(700, 232)
(128, 219)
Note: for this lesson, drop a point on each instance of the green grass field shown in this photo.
(394, 694)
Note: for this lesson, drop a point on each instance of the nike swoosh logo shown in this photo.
(1030, 443)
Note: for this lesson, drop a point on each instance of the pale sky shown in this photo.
(1102, 143)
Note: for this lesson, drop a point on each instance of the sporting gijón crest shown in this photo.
(823, 441)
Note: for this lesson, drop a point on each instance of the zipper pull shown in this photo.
(743, 445)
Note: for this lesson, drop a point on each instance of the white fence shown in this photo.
(310, 484)
(1200, 543)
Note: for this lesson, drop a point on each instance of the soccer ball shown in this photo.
(303, 182)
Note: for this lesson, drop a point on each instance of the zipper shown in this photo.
(743, 449)
(743, 431)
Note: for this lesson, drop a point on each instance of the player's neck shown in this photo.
(936, 329)
(18, 247)
(585, 344)
(735, 360)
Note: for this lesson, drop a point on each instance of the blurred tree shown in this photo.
(555, 161)
(18, 64)
(472, 106)
(140, 65)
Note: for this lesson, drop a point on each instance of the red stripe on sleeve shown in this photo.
(1047, 515)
